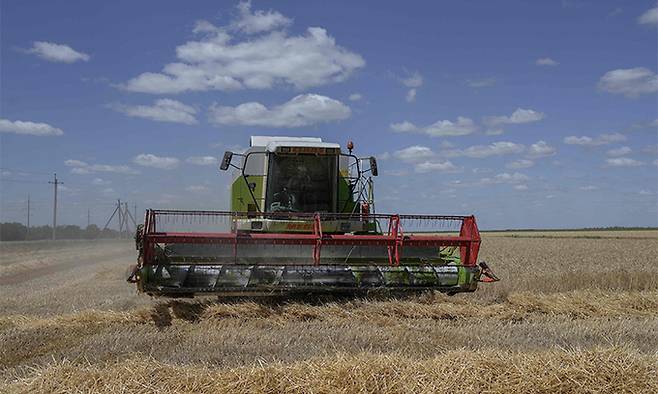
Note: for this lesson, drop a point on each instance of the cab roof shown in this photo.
(263, 141)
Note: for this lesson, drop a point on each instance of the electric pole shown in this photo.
(55, 182)
(120, 218)
(126, 213)
(125, 217)
(111, 217)
(28, 213)
(88, 216)
(130, 216)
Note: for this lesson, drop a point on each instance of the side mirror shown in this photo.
(226, 161)
(373, 166)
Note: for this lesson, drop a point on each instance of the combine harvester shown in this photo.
(303, 220)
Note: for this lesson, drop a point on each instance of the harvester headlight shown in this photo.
(256, 225)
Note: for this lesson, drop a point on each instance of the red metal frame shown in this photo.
(468, 239)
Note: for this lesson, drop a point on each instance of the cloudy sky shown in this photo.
(528, 114)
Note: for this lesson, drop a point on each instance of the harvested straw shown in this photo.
(618, 370)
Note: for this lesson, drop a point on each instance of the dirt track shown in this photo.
(69, 321)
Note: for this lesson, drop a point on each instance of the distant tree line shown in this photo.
(19, 232)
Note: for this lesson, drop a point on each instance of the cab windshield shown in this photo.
(301, 183)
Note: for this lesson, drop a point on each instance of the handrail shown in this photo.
(294, 215)
(468, 239)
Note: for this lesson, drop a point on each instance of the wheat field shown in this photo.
(574, 312)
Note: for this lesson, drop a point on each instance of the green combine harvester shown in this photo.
(303, 220)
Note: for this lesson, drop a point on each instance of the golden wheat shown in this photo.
(617, 370)
(571, 315)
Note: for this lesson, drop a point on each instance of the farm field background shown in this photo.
(573, 310)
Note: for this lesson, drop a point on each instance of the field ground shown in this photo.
(574, 312)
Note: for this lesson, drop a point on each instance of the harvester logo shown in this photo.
(298, 226)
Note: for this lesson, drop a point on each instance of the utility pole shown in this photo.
(55, 182)
(126, 213)
(28, 213)
(111, 217)
(125, 217)
(121, 219)
(88, 216)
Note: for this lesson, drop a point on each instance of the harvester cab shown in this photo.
(303, 219)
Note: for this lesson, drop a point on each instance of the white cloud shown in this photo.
(396, 172)
(521, 187)
(621, 151)
(404, 127)
(151, 160)
(82, 168)
(415, 80)
(506, 177)
(428, 166)
(519, 116)
(540, 149)
(584, 140)
(163, 110)
(414, 153)
(651, 149)
(75, 163)
(519, 164)
(411, 95)
(302, 110)
(202, 160)
(355, 97)
(650, 17)
(645, 193)
(481, 83)
(258, 21)
(196, 189)
(219, 61)
(28, 128)
(500, 148)
(100, 182)
(546, 61)
(655, 163)
(588, 188)
(623, 162)
(59, 53)
(441, 128)
(603, 139)
(611, 138)
(447, 128)
(631, 82)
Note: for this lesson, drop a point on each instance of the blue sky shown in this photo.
(528, 114)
